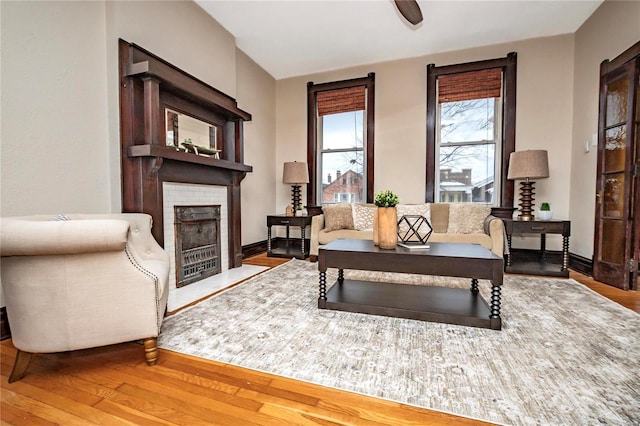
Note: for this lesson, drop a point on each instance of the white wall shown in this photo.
(54, 141)
(544, 113)
(612, 29)
(257, 94)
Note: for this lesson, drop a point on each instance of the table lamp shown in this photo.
(296, 174)
(526, 165)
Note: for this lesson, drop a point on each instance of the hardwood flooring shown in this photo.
(113, 386)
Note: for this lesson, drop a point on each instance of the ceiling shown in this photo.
(293, 38)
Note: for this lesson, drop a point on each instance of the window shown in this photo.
(340, 197)
(340, 141)
(470, 131)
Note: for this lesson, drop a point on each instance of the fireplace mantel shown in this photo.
(161, 153)
(148, 86)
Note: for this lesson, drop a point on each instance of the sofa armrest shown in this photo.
(317, 224)
(41, 238)
(497, 234)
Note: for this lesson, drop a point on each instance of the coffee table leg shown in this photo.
(495, 302)
(474, 285)
(323, 285)
(340, 276)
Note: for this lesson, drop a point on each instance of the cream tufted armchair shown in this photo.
(81, 281)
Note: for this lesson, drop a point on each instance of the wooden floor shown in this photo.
(113, 385)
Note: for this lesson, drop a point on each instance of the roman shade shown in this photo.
(470, 85)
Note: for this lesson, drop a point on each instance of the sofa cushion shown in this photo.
(482, 239)
(439, 217)
(363, 216)
(467, 218)
(337, 216)
(352, 234)
(423, 210)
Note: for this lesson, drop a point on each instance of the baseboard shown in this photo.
(254, 249)
(5, 330)
(581, 264)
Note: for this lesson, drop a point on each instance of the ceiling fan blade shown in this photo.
(410, 10)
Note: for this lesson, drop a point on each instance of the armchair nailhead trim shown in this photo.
(155, 281)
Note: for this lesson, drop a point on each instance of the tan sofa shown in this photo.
(489, 233)
(80, 281)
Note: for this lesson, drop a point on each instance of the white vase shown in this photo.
(545, 215)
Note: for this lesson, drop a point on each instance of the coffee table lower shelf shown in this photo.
(438, 304)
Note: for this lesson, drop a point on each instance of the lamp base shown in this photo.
(527, 191)
(295, 198)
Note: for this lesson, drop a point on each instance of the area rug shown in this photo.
(565, 355)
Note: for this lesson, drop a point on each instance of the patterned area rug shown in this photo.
(565, 355)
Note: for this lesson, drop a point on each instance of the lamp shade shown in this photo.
(532, 164)
(295, 173)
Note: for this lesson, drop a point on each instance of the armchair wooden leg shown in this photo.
(151, 350)
(20, 366)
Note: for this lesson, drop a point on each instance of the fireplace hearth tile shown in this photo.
(183, 296)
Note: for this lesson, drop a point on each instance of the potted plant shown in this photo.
(385, 227)
(545, 212)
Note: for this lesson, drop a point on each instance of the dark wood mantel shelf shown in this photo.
(172, 154)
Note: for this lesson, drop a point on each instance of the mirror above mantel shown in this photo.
(186, 133)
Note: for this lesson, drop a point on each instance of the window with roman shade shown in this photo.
(470, 131)
(340, 141)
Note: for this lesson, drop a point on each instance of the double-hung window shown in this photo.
(470, 132)
(340, 141)
(468, 136)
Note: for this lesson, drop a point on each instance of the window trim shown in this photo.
(508, 65)
(312, 131)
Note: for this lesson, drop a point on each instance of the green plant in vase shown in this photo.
(385, 228)
(386, 198)
(545, 212)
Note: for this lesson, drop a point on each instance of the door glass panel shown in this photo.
(617, 94)
(614, 149)
(613, 246)
(613, 204)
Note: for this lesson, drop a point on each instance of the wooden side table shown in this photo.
(542, 263)
(293, 248)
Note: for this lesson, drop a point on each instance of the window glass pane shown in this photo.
(613, 202)
(617, 94)
(341, 177)
(464, 121)
(467, 173)
(344, 130)
(615, 148)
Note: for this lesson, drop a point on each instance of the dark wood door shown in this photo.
(617, 229)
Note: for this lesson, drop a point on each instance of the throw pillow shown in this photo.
(337, 216)
(467, 218)
(413, 210)
(363, 216)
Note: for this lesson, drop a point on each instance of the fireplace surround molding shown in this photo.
(148, 86)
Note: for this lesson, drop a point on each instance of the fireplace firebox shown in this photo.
(197, 242)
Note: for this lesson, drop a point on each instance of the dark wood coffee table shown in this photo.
(440, 304)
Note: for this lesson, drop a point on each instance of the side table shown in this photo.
(542, 263)
(292, 248)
